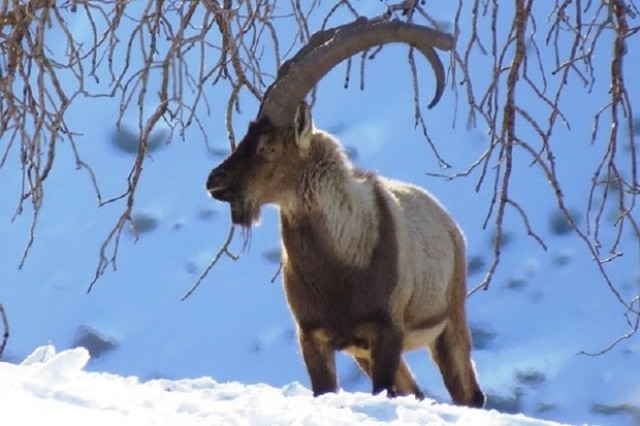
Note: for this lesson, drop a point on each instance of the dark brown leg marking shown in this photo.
(452, 352)
(385, 360)
(319, 357)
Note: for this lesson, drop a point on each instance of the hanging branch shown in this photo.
(224, 250)
(5, 328)
(159, 60)
(574, 42)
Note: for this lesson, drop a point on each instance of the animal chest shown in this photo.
(325, 292)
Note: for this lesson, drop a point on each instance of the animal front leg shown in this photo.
(385, 360)
(319, 357)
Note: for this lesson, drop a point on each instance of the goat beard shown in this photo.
(244, 212)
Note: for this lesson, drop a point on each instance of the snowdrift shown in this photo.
(49, 385)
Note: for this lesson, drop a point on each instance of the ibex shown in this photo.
(371, 266)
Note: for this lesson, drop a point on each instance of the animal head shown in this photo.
(264, 166)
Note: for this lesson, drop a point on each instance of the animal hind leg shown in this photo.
(404, 383)
(452, 353)
(365, 365)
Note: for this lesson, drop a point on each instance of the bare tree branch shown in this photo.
(224, 250)
(513, 72)
(5, 328)
(576, 42)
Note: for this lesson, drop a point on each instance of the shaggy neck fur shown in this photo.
(342, 197)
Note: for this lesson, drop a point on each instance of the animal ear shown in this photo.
(303, 125)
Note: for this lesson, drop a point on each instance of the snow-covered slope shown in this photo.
(54, 386)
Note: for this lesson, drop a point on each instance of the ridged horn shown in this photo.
(326, 49)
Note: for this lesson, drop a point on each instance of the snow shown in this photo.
(50, 385)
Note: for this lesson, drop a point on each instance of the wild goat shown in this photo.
(371, 266)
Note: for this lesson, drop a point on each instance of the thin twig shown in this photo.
(5, 328)
(224, 250)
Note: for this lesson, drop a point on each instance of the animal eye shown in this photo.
(266, 146)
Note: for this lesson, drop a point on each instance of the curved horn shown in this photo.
(326, 49)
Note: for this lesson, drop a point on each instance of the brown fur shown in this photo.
(371, 266)
(349, 304)
(452, 349)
